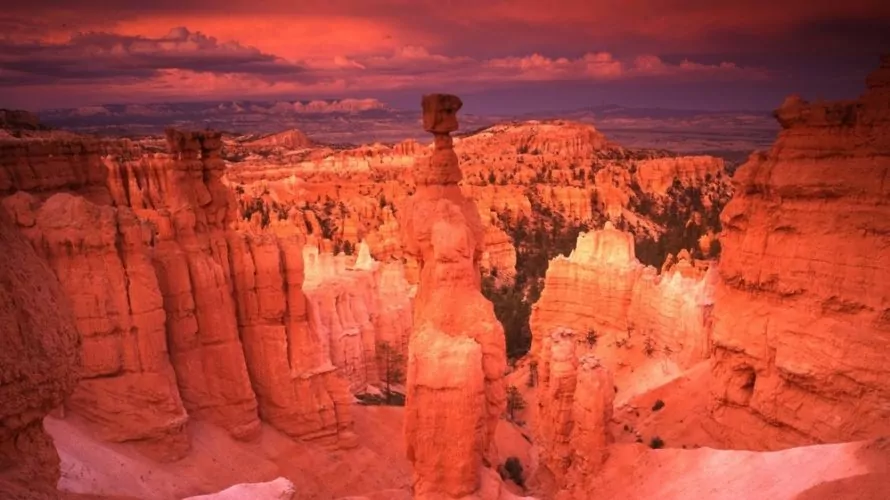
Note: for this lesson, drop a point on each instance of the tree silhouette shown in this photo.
(392, 362)
(514, 401)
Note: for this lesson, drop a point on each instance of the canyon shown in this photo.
(189, 312)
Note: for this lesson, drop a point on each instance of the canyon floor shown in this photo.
(377, 469)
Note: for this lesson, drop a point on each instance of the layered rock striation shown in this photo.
(456, 353)
(802, 322)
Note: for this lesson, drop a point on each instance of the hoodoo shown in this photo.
(456, 353)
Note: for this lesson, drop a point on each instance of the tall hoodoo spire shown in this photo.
(456, 354)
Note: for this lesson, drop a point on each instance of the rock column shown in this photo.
(456, 353)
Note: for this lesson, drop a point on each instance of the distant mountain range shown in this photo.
(732, 134)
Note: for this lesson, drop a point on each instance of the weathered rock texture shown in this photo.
(602, 287)
(802, 315)
(601, 294)
(179, 314)
(100, 255)
(575, 396)
(39, 361)
(297, 388)
(355, 305)
(657, 174)
(456, 360)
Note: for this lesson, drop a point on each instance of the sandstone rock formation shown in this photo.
(802, 322)
(455, 387)
(290, 139)
(559, 137)
(575, 396)
(601, 311)
(16, 119)
(657, 174)
(166, 293)
(353, 306)
(101, 257)
(297, 388)
(39, 363)
(602, 288)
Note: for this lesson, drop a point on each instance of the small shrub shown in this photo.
(513, 468)
(514, 401)
(591, 337)
(659, 404)
(532, 374)
(648, 347)
(656, 443)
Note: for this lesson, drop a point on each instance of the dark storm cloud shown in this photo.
(103, 56)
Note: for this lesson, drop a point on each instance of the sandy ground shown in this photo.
(217, 462)
(689, 466)
(377, 469)
(692, 464)
(823, 472)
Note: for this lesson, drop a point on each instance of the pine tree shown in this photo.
(391, 361)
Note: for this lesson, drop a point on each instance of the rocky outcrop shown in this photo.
(100, 254)
(499, 256)
(289, 139)
(594, 304)
(190, 208)
(166, 294)
(43, 167)
(298, 390)
(656, 175)
(601, 287)
(802, 322)
(18, 119)
(353, 306)
(456, 354)
(575, 395)
(557, 137)
(39, 361)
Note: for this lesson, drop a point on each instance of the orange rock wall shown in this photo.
(601, 286)
(802, 322)
(180, 315)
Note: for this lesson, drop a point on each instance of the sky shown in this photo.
(501, 56)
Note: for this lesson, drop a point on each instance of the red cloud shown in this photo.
(327, 47)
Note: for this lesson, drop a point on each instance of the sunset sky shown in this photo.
(500, 55)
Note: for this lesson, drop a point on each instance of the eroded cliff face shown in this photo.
(575, 397)
(354, 304)
(456, 354)
(100, 255)
(180, 314)
(802, 323)
(600, 312)
(656, 175)
(39, 361)
(602, 288)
